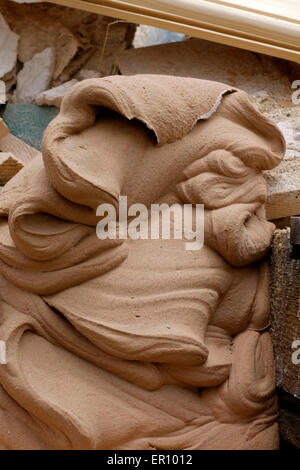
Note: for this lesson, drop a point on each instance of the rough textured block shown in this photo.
(289, 426)
(285, 312)
(289, 418)
(295, 231)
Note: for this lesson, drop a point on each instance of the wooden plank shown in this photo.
(17, 147)
(3, 129)
(10, 165)
(268, 28)
(283, 190)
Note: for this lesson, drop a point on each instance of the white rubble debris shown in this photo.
(54, 96)
(84, 74)
(2, 92)
(8, 48)
(35, 77)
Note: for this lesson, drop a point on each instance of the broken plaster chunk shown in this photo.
(84, 74)
(9, 166)
(2, 92)
(54, 96)
(3, 352)
(52, 34)
(35, 77)
(8, 49)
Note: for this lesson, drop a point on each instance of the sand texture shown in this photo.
(140, 344)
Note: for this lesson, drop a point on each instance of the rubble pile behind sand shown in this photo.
(81, 43)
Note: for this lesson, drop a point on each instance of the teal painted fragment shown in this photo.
(29, 121)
